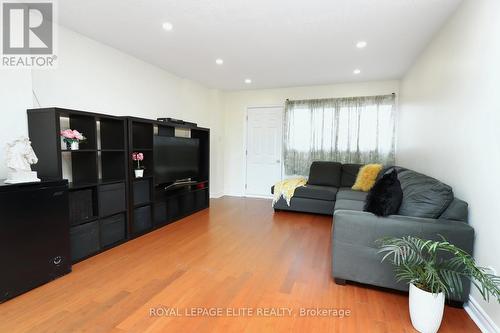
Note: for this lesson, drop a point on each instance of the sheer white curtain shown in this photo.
(346, 130)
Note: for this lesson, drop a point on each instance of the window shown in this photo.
(346, 130)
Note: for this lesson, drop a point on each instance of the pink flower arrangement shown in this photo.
(70, 136)
(138, 157)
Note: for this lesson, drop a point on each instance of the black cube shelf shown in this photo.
(98, 173)
(108, 205)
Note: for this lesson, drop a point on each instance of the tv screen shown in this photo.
(175, 158)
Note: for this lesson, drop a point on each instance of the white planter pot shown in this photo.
(75, 145)
(426, 310)
(139, 173)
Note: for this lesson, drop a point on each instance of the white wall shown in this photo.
(450, 116)
(236, 104)
(93, 77)
(15, 98)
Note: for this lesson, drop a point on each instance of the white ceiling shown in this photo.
(276, 43)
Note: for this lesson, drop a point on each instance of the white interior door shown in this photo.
(264, 149)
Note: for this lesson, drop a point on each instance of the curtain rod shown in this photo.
(340, 97)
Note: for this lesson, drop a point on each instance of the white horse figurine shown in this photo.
(20, 157)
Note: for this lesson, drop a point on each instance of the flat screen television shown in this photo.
(175, 159)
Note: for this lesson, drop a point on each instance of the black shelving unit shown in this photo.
(108, 205)
(97, 173)
(150, 206)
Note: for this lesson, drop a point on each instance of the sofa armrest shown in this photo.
(355, 254)
(364, 228)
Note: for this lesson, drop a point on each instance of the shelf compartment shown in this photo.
(142, 219)
(142, 135)
(173, 208)
(166, 130)
(84, 240)
(186, 205)
(111, 199)
(78, 151)
(113, 230)
(112, 133)
(147, 163)
(84, 167)
(87, 126)
(142, 191)
(200, 199)
(160, 213)
(82, 206)
(142, 178)
(77, 186)
(112, 166)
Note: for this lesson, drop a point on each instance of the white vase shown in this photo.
(75, 145)
(139, 173)
(426, 310)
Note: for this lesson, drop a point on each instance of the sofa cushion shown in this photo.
(423, 196)
(347, 193)
(349, 174)
(325, 173)
(385, 196)
(346, 204)
(458, 210)
(316, 192)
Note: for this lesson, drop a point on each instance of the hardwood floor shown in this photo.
(234, 256)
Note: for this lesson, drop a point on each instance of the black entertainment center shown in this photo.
(107, 204)
(176, 178)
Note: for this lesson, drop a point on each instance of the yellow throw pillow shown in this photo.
(367, 176)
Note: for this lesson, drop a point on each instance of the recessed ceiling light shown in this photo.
(356, 71)
(248, 81)
(361, 44)
(219, 61)
(167, 26)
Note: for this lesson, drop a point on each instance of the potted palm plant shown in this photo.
(434, 270)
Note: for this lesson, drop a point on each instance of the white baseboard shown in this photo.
(233, 194)
(216, 195)
(480, 317)
(258, 196)
(239, 195)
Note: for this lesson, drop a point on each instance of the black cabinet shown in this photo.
(34, 235)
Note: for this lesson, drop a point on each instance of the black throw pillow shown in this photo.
(386, 195)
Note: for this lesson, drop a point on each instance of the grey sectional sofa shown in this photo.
(326, 180)
(429, 209)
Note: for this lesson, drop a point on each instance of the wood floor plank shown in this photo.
(236, 255)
